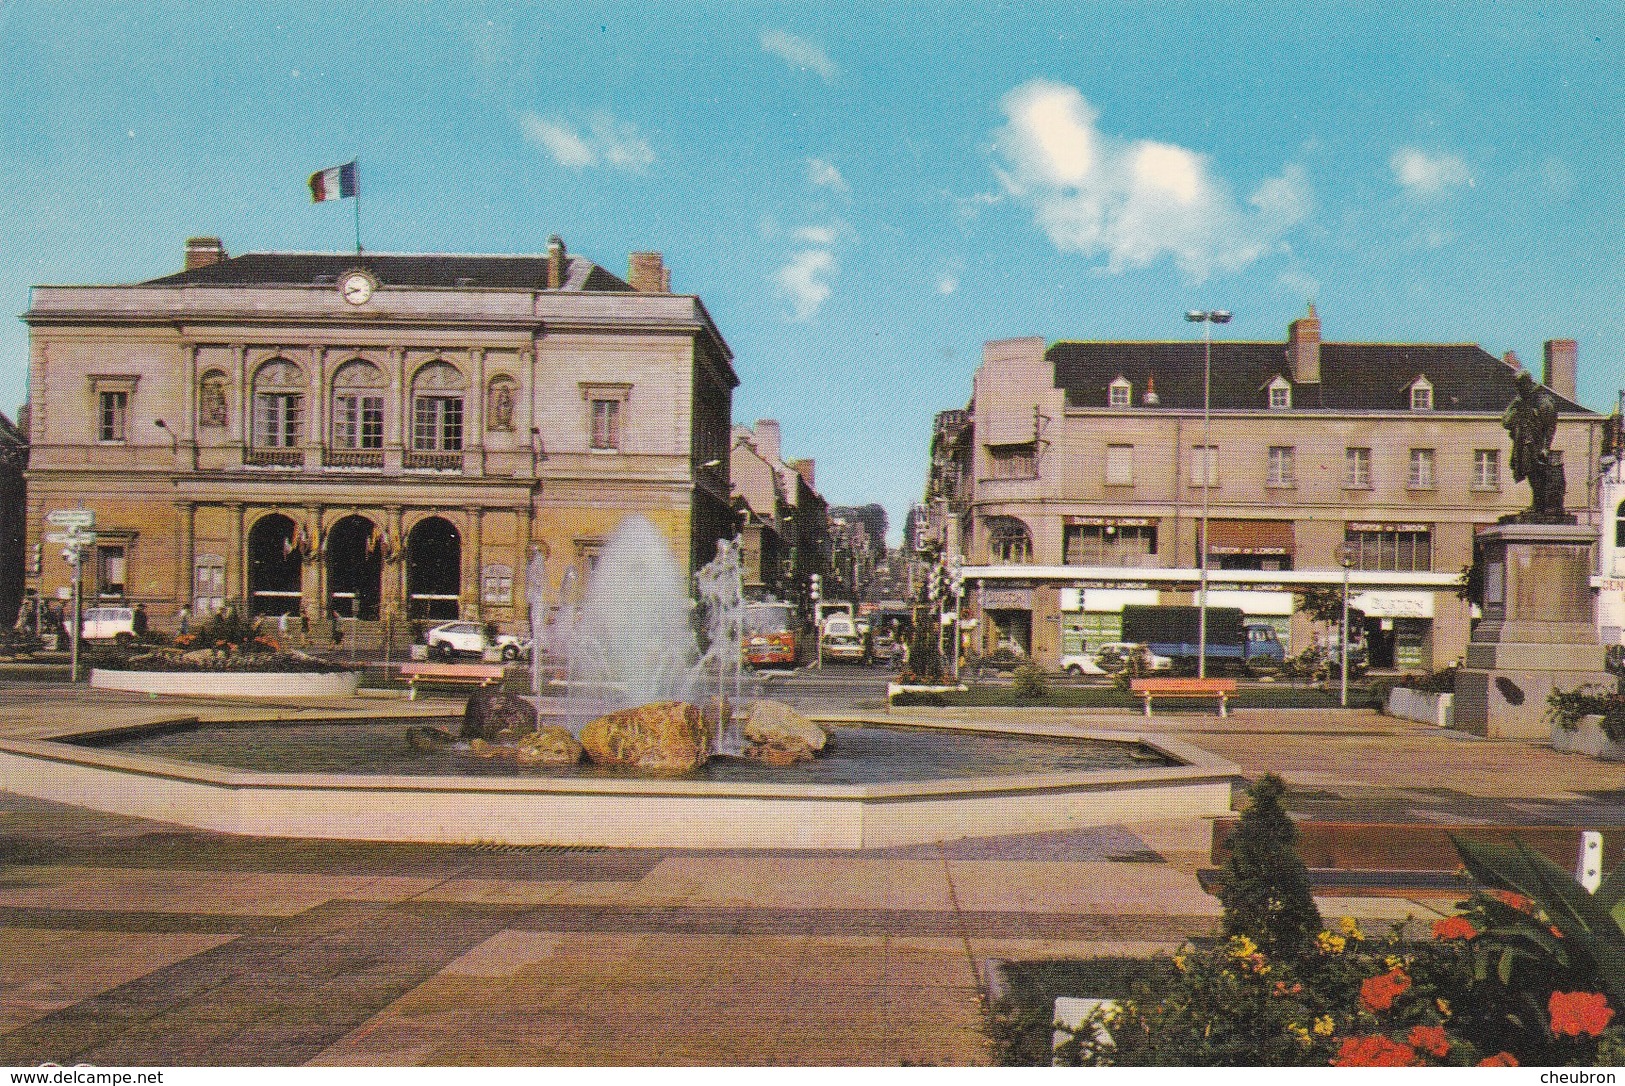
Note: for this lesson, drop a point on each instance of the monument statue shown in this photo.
(1531, 422)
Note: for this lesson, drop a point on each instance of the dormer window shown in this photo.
(1120, 393)
(1280, 391)
(1421, 395)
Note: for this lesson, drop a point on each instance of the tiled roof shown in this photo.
(394, 269)
(1353, 376)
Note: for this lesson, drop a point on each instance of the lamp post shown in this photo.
(1207, 318)
(1345, 558)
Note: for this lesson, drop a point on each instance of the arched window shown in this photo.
(358, 406)
(437, 408)
(279, 403)
(1009, 543)
(1619, 525)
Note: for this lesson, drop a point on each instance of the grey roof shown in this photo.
(394, 269)
(1353, 376)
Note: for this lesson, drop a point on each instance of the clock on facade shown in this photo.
(356, 287)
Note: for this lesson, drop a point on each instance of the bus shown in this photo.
(774, 634)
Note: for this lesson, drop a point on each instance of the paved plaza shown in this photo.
(130, 942)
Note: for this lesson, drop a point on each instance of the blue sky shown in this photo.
(864, 194)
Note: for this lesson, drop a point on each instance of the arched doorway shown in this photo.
(355, 568)
(434, 569)
(274, 566)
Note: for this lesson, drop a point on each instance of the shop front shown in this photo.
(1398, 627)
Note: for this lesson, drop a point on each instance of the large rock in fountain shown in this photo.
(497, 717)
(552, 745)
(766, 721)
(662, 737)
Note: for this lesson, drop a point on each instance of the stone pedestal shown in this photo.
(1538, 633)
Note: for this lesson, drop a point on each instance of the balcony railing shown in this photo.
(274, 458)
(433, 461)
(353, 460)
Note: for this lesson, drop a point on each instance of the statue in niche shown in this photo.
(1531, 422)
(501, 407)
(211, 403)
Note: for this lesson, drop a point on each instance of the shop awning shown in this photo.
(1266, 537)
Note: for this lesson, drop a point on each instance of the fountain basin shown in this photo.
(620, 811)
(230, 684)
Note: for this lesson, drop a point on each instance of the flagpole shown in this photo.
(358, 207)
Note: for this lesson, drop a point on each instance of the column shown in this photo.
(474, 440)
(474, 561)
(315, 435)
(394, 586)
(237, 572)
(185, 553)
(245, 398)
(313, 584)
(398, 418)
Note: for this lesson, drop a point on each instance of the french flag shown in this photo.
(333, 184)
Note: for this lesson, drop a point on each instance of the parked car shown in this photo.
(452, 638)
(1079, 664)
(513, 647)
(842, 640)
(1114, 656)
(107, 623)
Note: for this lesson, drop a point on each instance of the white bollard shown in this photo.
(1589, 873)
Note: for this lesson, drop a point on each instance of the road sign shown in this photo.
(72, 518)
(60, 537)
(72, 537)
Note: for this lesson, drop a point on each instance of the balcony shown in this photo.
(282, 459)
(433, 461)
(353, 460)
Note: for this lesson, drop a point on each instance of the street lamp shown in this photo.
(1345, 558)
(1207, 318)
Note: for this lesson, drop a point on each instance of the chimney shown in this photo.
(804, 468)
(646, 272)
(1303, 348)
(201, 252)
(1513, 362)
(1562, 366)
(767, 439)
(556, 262)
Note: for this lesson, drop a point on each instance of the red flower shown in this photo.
(1378, 993)
(1429, 1039)
(1512, 899)
(1374, 1051)
(1500, 1059)
(1579, 1013)
(1454, 927)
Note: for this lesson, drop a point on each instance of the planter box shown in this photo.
(893, 689)
(1588, 739)
(230, 684)
(1410, 704)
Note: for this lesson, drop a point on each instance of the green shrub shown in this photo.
(1264, 884)
(1030, 683)
(1566, 707)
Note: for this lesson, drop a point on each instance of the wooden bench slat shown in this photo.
(1184, 687)
(481, 675)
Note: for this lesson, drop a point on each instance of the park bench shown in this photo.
(481, 675)
(1187, 687)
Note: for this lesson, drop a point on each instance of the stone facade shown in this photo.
(1080, 489)
(381, 436)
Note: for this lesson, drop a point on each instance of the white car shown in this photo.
(1115, 655)
(1079, 664)
(513, 647)
(450, 638)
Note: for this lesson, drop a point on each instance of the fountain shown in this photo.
(630, 645)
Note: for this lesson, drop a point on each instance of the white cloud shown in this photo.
(804, 281)
(1422, 174)
(1133, 201)
(947, 283)
(824, 175)
(799, 53)
(607, 141)
(816, 235)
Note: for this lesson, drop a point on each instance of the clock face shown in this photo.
(356, 287)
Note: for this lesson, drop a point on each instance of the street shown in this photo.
(834, 688)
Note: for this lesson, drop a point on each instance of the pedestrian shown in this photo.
(338, 631)
(304, 626)
(138, 622)
(186, 619)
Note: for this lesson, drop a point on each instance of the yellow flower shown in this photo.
(1350, 928)
(1325, 1025)
(1299, 1034)
(1330, 944)
(1179, 962)
(1394, 962)
(1242, 947)
(1443, 1005)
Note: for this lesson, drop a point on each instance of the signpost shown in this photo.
(76, 536)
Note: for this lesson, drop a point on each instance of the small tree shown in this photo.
(1265, 885)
